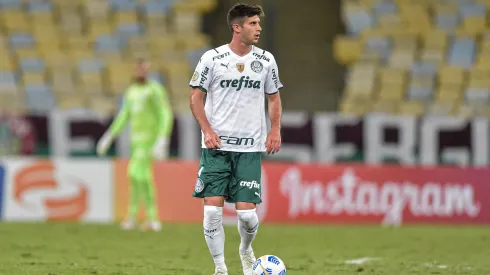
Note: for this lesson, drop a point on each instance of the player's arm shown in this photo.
(272, 87)
(114, 129)
(121, 119)
(275, 111)
(164, 111)
(199, 84)
(165, 121)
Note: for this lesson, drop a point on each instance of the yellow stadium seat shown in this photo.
(99, 28)
(22, 53)
(77, 42)
(78, 55)
(91, 80)
(102, 104)
(435, 39)
(411, 108)
(355, 107)
(401, 58)
(479, 78)
(99, 10)
(71, 23)
(474, 25)
(441, 108)
(62, 80)
(137, 43)
(347, 49)
(33, 78)
(58, 60)
(451, 75)
(70, 101)
(12, 103)
(167, 43)
(124, 17)
(44, 18)
(361, 81)
(390, 21)
(7, 63)
(392, 84)
(15, 21)
(385, 106)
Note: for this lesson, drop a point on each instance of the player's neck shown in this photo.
(140, 80)
(239, 48)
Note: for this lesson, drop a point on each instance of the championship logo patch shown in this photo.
(240, 67)
(256, 66)
(199, 186)
(195, 76)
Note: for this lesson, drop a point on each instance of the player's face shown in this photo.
(251, 29)
(141, 70)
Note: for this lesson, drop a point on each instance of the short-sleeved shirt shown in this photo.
(235, 101)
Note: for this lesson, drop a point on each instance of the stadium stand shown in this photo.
(415, 57)
(78, 53)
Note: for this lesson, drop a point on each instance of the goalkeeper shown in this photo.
(147, 107)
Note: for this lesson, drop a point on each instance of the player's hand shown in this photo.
(211, 140)
(160, 150)
(104, 144)
(273, 143)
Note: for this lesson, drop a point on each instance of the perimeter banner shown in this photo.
(57, 190)
(333, 194)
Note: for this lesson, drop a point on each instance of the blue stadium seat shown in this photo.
(124, 5)
(32, 65)
(155, 75)
(39, 6)
(108, 43)
(423, 68)
(21, 40)
(7, 79)
(10, 4)
(158, 7)
(447, 21)
(462, 52)
(473, 10)
(39, 98)
(380, 45)
(130, 29)
(356, 22)
(90, 65)
(384, 8)
(477, 95)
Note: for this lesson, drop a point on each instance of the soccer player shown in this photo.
(234, 80)
(147, 107)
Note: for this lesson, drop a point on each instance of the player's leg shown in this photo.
(144, 174)
(141, 174)
(135, 196)
(212, 185)
(245, 191)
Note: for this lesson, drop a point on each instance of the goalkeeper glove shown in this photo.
(104, 143)
(160, 150)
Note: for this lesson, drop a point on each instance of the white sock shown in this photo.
(248, 224)
(215, 234)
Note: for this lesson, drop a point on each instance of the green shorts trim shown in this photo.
(233, 175)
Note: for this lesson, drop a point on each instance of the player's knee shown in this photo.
(213, 216)
(248, 219)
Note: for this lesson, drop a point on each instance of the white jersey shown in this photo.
(235, 99)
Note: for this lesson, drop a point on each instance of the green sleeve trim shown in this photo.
(200, 88)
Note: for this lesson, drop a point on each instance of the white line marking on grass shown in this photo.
(361, 260)
(440, 266)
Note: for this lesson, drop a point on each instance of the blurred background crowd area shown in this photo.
(353, 56)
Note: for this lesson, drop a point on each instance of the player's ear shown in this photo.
(236, 27)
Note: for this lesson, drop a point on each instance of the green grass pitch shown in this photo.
(74, 249)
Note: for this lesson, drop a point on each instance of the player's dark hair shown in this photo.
(239, 12)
